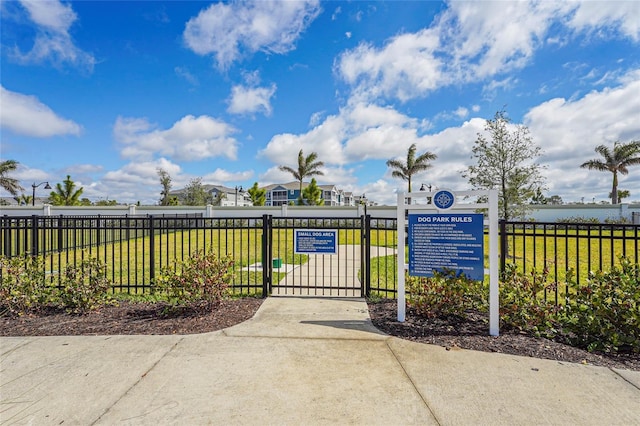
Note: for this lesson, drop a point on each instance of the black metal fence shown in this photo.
(136, 249)
(563, 249)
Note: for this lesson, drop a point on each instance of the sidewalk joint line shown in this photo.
(142, 376)
(412, 382)
(624, 378)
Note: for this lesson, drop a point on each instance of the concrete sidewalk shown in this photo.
(298, 361)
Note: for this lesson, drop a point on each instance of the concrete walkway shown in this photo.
(298, 361)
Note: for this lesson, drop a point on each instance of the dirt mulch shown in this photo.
(155, 318)
(472, 332)
(132, 318)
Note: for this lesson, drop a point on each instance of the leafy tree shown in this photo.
(539, 198)
(85, 202)
(106, 203)
(311, 195)
(11, 185)
(412, 166)
(258, 196)
(217, 201)
(196, 195)
(555, 199)
(307, 167)
(66, 194)
(616, 161)
(506, 162)
(23, 199)
(165, 181)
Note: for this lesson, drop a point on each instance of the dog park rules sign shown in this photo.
(451, 241)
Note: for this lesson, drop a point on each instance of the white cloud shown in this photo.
(461, 112)
(324, 139)
(189, 139)
(221, 176)
(473, 42)
(336, 12)
(569, 130)
(621, 16)
(316, 118)
(53, 42)
(135, 181)
(28, 116)
(249, 100)
(359, 132)
(405, 68)
(566, 127)
(186, 74)
(274, 175)
(233, 30)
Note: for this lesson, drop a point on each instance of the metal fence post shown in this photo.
(503, 246)
(152, 254)
(366, 240)
(34, 235)
(267, 261)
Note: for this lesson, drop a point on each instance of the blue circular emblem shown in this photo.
(444, 199)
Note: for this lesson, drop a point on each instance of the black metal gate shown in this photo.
(343, 274)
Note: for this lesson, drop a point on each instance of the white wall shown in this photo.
(543, 213)
(549, 213)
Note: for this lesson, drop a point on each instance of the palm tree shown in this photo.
(413, 165)
(11, 185)
(66, 195)
(23, 199)
(307, 167)
(616, 161)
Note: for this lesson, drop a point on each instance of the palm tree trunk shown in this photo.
(614, 189)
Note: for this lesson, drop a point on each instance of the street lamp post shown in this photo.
(364, 200)
(34, 186)
(238, 188)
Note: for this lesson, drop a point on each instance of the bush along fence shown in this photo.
(137, 250)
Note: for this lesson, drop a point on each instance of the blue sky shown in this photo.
(110, 91)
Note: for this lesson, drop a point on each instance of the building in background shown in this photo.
(222, 196)
(279, 194)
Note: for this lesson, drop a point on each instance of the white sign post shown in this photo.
(444, 200)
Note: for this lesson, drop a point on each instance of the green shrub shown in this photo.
(522, 303)
(23, 284)
(444, 294)
(84, 286)
(204, 277)
(579, 220)
(605, 313)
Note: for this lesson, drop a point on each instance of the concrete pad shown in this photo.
(632, 377)
(218, 380)
(298, 361)
(9, 344)
(72, 380)
(464, 387)
(306, 317)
